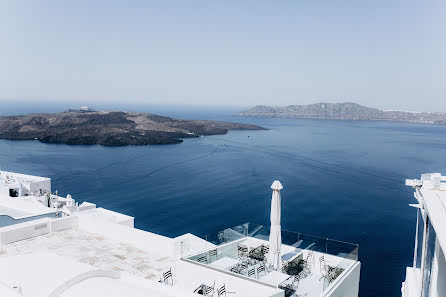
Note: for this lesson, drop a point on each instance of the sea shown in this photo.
(342, 180)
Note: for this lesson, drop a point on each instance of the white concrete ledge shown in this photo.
(22, 231)
(17, 232)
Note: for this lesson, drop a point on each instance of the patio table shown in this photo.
(292, 255)
(274, 278)
(224, 263)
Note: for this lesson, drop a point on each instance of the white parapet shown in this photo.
(26, 230)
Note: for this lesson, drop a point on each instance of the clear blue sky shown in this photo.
(381, 53)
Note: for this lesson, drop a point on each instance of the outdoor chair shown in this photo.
(203, 259)
(252, 272)
(234, 269)
(323, 266)
(239, 268)
(213, 253)
(310, 257)
(307, 265)
(261, 268)
(166, 276)
(296, 280)
(265, 251)
(221, 291)
(209, 291)
(242, 251)
(325, 269)
(242, 267)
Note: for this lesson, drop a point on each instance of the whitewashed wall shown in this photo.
(45, 185)
(438, 273)
(4, 190)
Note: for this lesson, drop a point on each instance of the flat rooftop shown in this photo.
(46, 274)
(139, 257)
(17, 209)
(96, 250)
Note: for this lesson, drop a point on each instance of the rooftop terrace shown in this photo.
(140, 258)
(310, 265)
(96, 250)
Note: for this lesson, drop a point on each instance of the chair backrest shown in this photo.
(235, 269)
(242, 266)
(221, 290)
(209, 290)
(167, 275)
(242, 250)
(308, 260)
(203, 259)
(265, 249)
(251, 272)
(213, 252)
(297, 277)
(261, 268)
(322, 265)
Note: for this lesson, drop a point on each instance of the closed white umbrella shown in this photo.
(275, 236)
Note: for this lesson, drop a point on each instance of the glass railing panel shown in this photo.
(295, 239)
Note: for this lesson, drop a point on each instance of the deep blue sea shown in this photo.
(342, 180)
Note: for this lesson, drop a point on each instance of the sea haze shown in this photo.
(342, 180)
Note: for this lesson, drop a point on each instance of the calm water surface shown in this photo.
(342, 180)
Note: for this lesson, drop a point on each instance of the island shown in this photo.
(344, 111)
(109, 128)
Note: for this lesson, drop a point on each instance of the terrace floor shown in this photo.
(96, 250)
(312, 285)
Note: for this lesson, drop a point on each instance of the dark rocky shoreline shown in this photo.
(109, 128)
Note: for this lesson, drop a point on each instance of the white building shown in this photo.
(427, 276)
(16, 184)
(89, 251)
(23, 197)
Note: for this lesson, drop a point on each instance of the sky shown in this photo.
(380, 53)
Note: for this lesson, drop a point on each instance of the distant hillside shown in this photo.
(344, 111)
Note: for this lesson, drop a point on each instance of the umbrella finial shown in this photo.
(276, 185)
